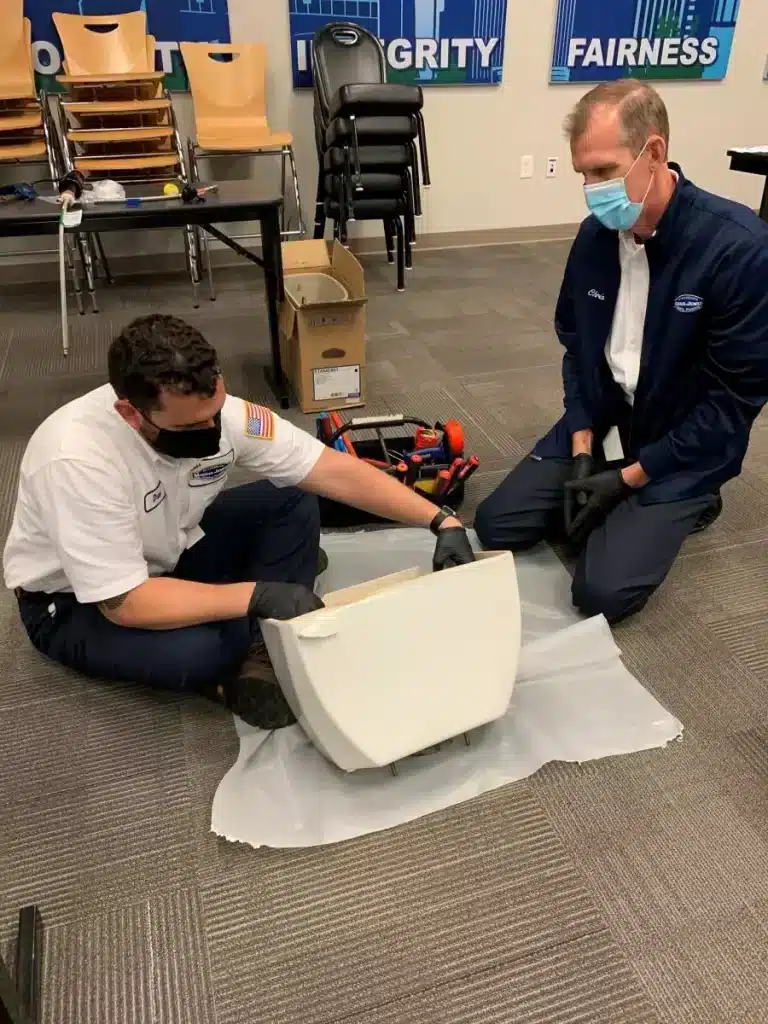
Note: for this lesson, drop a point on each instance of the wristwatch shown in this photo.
(442, 515)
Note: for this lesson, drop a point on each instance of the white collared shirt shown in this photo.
(625, 343)
(99, 511)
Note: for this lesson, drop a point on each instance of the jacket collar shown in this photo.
(666, 229)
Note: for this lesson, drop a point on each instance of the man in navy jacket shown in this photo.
(663, 315)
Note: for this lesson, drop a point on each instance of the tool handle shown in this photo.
(371, 422)
(466, 472)
(414, 470)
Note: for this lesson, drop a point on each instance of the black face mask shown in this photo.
(200, 443)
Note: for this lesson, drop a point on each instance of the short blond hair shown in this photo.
(642, 112)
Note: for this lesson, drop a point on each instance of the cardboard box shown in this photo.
(394, 666)
(322, 340)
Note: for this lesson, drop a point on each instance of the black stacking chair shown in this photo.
(371, 141)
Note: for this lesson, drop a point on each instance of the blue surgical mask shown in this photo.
(610, 203)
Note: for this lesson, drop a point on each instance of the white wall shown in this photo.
(476, 184)
(477, 135)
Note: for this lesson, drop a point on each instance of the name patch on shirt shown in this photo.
(689, 303)
(210, 471)
(593, 293)
(259, 422)
(154, 497)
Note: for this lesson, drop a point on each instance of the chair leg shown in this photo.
(407, 242)
(390, 240)
(320, 215)
(190, 245)
(206, 257)
(103, 258)
(283, 211)
(400, 232)
(423, 148)
(414, 168)
(410, 221)
(202, 249)
(69, 247)
(85, 257)
(296, 192)
(340, 194)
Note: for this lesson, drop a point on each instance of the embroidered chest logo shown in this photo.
(259, 422)
(154, 497)
(595, 294)
(689, 303)
(211, 470)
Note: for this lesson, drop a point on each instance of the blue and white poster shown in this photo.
(169, 21)
(426, 42)
(603, 40)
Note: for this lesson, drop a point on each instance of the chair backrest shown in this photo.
(107, 44)
(227, 81)
(17, 77)
(346, 54)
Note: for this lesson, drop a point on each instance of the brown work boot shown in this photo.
(255, 694)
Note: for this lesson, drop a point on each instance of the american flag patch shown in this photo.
(259, 422)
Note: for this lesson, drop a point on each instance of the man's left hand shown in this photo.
(603, 492)
(452, 549)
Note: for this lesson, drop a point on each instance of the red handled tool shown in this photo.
(443, 482)
(414, 470)
(467, 470)
(401, 471)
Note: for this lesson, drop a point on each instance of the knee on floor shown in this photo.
(602, 597)
(497, 531)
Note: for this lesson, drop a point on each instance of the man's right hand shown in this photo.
(583, 466)
(282, 601)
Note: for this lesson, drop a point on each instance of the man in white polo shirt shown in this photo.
(663, 315)
(131, 561)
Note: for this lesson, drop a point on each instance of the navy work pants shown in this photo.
(624, 560)
(254, 532)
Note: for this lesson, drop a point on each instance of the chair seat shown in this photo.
(245, 142)
(372, 158)
(376, 208)
(12, 92)
(22, 151)
(376, 130)
(105, 108)
(14, 122)
(120, 162)
(100, 136)
(379, 184)
(379, 100)
(95, 80)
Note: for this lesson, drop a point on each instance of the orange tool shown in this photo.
(401, 470)
(454, 439)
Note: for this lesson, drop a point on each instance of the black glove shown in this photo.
(583, 467)
(603, 491)
(281, 601)
(452, 549)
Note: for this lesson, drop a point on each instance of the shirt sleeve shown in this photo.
(734, 375)
(268, 445)
(92, 521)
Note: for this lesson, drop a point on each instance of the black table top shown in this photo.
(234, 201)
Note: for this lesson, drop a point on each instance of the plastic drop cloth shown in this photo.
(573, 701)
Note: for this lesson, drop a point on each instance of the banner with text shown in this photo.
(596, 41)
(169, 21)
(427, 42)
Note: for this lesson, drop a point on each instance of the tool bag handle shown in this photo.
(377, 423)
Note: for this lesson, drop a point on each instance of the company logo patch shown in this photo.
(689, 303)
(595, 294)
(210, 471)
(154, 497)
(259, 422)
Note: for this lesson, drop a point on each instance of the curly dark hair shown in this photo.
(161, 353)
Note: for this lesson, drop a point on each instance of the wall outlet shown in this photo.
(552, 167)
(526, 167)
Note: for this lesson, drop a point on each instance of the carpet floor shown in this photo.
(628, 891)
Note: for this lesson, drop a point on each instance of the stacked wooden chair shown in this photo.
(115, 118)
(228, 83)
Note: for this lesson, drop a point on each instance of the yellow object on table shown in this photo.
(171, 190)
